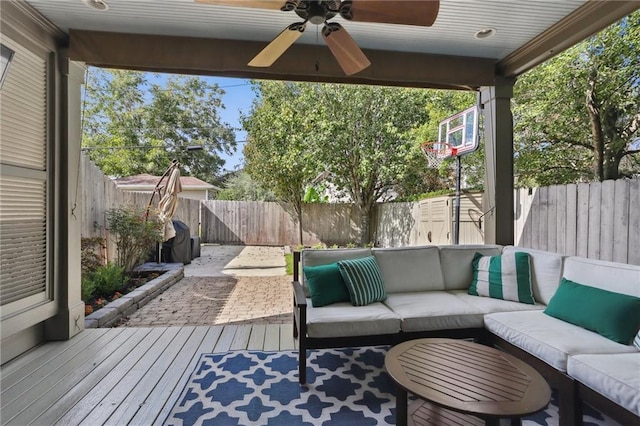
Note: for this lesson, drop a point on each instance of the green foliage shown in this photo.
(241, 187)
(134, 235)
(312, 195)
(577, 115)
(90, 259)
(104, 281)
(361, 136)
(87, 287)
(124, 110)
(288, 258)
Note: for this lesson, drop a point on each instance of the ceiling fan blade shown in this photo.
(258, 4)
(411, 12)
(346, 51)
(278, 45)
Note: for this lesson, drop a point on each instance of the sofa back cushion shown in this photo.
(456, 263)
(616, 277)
(310, 257)
(506, 276)
(546, 272)
(410, 269)
(363, 280)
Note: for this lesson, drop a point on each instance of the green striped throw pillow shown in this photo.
(506, 277)
(363, 280)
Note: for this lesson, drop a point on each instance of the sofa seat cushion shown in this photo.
(550, 339)
(615, 376)
(406, 269)
(433, 310)
(489, 305)
(343, 320)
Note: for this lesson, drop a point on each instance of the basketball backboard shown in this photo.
(460, 131)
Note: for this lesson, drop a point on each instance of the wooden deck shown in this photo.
(119, 376)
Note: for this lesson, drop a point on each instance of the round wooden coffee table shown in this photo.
(461, 379)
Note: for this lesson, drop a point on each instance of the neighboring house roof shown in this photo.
(148, 182)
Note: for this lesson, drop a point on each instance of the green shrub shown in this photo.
(135, 236)
(87, 287)
(89, 255)
(108, 279)
(288, 258)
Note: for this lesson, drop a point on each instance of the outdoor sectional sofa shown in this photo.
(427, 295)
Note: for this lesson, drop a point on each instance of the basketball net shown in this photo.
(437, 152)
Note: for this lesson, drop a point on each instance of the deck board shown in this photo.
(157, 397)
(256, 341)
(162, 366)
(121, 391)
(272, 337)
(207, 346)
(38, 384)
(57, 405)
(241, 338)
(120, 375)
(95, 394)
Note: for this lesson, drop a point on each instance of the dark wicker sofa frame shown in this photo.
(572, 395)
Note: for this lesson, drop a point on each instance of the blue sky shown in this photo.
(238, 98)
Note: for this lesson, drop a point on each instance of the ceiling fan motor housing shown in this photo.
(317, 12)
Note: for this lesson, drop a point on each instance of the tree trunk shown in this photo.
(595, 122)
(364, 226)
(299, 214)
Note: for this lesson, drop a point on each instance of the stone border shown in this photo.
(110, 314)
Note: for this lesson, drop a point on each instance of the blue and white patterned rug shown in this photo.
(344, 387)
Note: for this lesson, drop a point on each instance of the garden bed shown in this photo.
(111, 313)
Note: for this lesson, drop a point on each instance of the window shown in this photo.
(24, 182)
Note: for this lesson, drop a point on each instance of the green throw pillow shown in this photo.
(364, 280)
(615, 316)
(506, 277)
(326, 285)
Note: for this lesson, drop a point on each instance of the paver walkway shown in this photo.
(226, 285)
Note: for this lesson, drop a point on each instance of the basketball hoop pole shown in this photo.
(456, 229)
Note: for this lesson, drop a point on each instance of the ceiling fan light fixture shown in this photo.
(97, 4)
(485, 33)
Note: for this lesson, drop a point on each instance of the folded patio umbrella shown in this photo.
(169, 203)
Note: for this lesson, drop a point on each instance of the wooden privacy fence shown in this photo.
(100, 194)
(268, 223)
(599, 220)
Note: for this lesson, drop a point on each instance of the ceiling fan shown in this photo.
(349, 56)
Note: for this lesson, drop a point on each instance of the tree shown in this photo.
(577, 115)
(279, 153)
(365, 140)
(441, 104)
(241, 187)
(360, 136)
(153, 124)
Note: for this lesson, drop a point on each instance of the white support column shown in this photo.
(498, 189)
(70, 318)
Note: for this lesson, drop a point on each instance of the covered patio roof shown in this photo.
(206, 37)
(186, 36)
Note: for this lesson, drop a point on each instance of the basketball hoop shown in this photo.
(436, 152)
